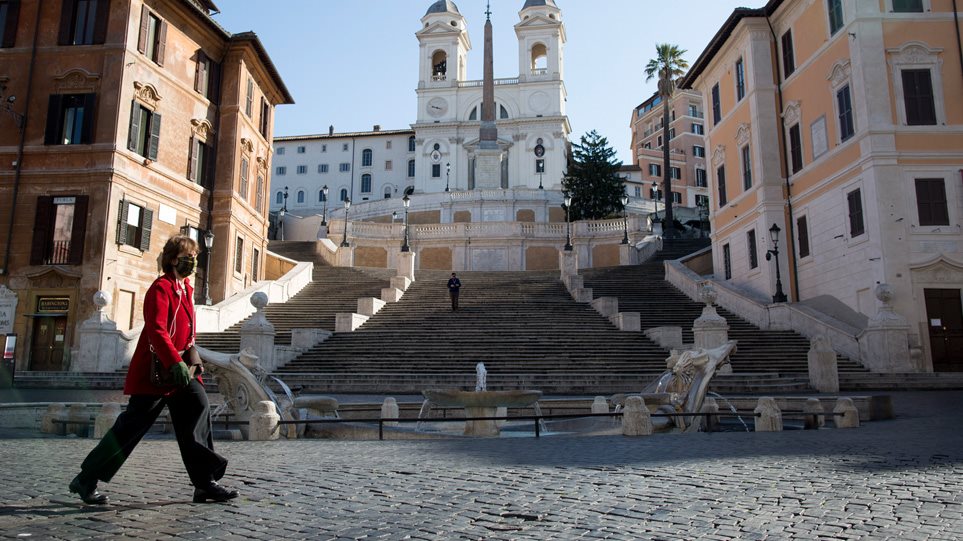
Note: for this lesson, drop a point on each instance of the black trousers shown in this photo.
(454, 298)
(191, 416)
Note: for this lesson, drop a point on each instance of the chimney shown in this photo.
(377, 127)
(331, 129)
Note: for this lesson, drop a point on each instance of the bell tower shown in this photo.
(443, 54)
(541, 40)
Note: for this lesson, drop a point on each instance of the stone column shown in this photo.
(885, 344)
(389, 410)
(710, 330)
(636, 420)
(257, 334)
(823, 373)
(406, 265)
(768, 415)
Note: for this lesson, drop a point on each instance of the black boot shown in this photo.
(213, 492)
(87, 490)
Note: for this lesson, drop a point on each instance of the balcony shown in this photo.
(57, 253)
(472, 84)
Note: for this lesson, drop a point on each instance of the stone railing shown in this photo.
(480, 82)
(485, 230)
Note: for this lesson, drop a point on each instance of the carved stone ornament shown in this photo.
(719, 156)
(76, 80)
(262, 163)
(202, 128)
(939, 270)
(247, 145)
(742, 134)
(147, 94)
(915, 52)
(793, 112)
(707, 293)
(840, 73)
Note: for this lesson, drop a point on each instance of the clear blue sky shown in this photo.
(354, 63)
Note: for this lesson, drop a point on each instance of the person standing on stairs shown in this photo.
(454, 284)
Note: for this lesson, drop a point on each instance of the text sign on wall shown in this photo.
(53, 304)
(8, 309)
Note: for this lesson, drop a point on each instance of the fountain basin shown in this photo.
(482, 404)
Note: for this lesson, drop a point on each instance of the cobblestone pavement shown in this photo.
(886, 480)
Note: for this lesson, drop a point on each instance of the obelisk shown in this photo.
(488, 155)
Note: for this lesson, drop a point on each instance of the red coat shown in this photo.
(168, 326)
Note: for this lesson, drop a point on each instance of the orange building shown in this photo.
(837, 122)
(125, 122)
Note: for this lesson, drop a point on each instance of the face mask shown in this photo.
(185, 266)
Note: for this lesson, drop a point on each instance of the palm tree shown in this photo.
(668, 65)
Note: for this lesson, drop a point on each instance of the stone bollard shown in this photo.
(814, 418)
(600, 405)
(389, 410)
(263, 425)
(845, 414)
(635, 418)
(710, 422)
(49, 424)
(77, 419)
(768, 415)
(108, 415)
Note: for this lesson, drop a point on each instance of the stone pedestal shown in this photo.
(845, 414)
(401, 282)
(628, 255)
(389, 410)
(567, 263)
(369, 306)
(488, 168)
(406, 267)
(768, 415)
(710, 406)
(600, 405)
(257, 334)
(627, 321)
(348, 322)
(49, 423)
(710, 330)
(101, 346)
(308, 338)
(606, 306)
(813, 408)
(345, 256)
(263, 424)
(108, 415)
(885, 344)
(582, 294)
(391, 294)
(667, 337)
(823, 373)
(636, 420)
(481, 428)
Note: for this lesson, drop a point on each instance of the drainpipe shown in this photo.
(791, 232)
(5, 269)
(956, 26)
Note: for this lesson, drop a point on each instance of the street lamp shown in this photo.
(324, 208)
(447, 175)
(568, 224)
(625, 219)
(347, 205)
(655, 198)
(774, 237)
(209, 244)
(281, 213)
(406, 202)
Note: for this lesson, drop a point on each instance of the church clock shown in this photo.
(437, 107)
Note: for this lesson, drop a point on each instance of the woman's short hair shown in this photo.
(175, 245)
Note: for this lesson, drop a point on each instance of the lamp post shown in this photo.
(625, 219)
(281, 213)
(324, 208)
(209, 244)
(406, 202)
(568, 224)
(655, 198)
(347, 205)
(774, 237)
(540, 187)
(447, 175)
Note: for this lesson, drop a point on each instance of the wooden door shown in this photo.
(49, 341)
(944, 316)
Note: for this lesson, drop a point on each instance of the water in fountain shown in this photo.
(481, 378)
(731, 408)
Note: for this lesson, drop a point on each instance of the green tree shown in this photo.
(668, 65)
(593, 179)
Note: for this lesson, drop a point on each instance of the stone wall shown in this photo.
(541, 258)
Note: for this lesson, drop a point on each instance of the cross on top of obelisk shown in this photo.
(488, 11)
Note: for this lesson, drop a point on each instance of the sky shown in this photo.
(354, 63)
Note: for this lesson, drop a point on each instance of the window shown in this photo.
(655, 170)
(751, 245)
(802, 233)
(388, 165)
(788, 57)
(387, 192)
(323, 168)
(700, 177)
(844, 102)
(436, 170)
(255, 264)
(280, 151)
(721, 183)
(200, 164)
(281, 171)
(638, 191)
(659, 142)
(302, 149)
(365, 183)
(835, 9)
(675, 173)
(302, 169)
(677, 198)
(931, 201)
(134, 225)
(647, 145)
(321, 197)
(698, 129)
(344, 194)
(795, 148)
(324, 148)
(278, 198)
(702, 201)
(918, 97)
(411, 168)
(344, 167)
(344, 147)
(9, 13)
(153, 36)
(388, 144)
(855, 203)
(746, 168)
(264, 125)
(300, 198)
(727, 261)
(83, 22)
(206, 77)
(411, 144)
(366, 157)
(907, 6)
(239, 255)
(145, 129)
(740, 79)
(249, 100)
(259, 195)
(242, 182)
(70, 119)
(699, 152)
(716, 105)
(60, 225)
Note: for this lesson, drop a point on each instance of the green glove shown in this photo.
(181, 376)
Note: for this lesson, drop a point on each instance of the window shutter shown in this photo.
(209, 164)
(134, 127)
(90, 114)
(214, 83)
(155, 131)
(147, 218)
(200, 73)
(940, 212)
(122, 222)
(10, 32)
(144, 23)
(161, 43)
(79, 232)
(66, 17)
(192, 160)
(803, 229)
(100, 25)
(54, 116)
(43, 220)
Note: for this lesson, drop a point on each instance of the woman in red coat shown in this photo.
(168, 333)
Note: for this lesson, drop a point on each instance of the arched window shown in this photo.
(411, 144)
(321, 197)
(502, 112)
(300, 196)
(411, 168)
(539, 59)
(366, 157)
(279, 198)
(365, 183)
(344, 194)
(439, 66)
(387, 192)
(473, 115)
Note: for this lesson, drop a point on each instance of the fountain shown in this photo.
(479, 403)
